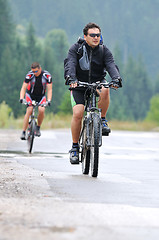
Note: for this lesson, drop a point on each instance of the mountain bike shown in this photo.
(91, 134)
(31, 130)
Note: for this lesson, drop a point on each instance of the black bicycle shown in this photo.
(31, 130)
(91, 134)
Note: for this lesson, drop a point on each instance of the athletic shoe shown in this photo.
(105, 129)
(37, 132)
(74, 155)
(23, 137)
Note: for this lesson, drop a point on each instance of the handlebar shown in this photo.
(34, 103)
(97, 85)
(94, 85)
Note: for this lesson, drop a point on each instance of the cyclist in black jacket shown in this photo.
(88, 60)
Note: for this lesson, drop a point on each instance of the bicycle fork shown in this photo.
(89, 129)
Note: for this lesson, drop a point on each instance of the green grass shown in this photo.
(134, 126)
(53, 121)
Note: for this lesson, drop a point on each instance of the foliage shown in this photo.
(156, 90)
(153, 114)
(17, 58)
(56, 46)
(132, 24)
(6, 26)
(18, 51)
(65, 106)
(5, 115)
(137, 88)
(56, 121)
(131, 102)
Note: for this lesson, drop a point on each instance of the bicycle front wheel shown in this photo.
(85, 153)
(31, 135)
(94, 149)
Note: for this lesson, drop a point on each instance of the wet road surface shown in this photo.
(122, 203)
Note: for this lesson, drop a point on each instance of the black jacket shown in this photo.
(100, 61)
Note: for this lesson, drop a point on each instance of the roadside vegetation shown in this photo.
(63, 120)
(133, 107)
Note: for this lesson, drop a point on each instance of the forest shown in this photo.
(38, 30)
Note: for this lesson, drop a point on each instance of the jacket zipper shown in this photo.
(90, 61)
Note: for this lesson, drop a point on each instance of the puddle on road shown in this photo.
(56, 229)
(17, 154)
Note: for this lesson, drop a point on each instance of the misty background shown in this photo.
(131, 24)
(38, 30)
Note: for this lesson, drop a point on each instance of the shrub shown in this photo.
(5, 115)
(153, 114)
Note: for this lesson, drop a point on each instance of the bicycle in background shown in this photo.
(31, 130)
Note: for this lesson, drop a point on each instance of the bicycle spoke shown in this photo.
(94, 150)
(85, 153)
(31, 135)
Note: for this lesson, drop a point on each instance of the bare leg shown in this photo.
(104, 101)
(41, 115)
(76, 122)
(26, 118)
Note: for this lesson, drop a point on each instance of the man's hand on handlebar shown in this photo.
(21, 100)
(49, 103)
(116, 83)
(72, 82)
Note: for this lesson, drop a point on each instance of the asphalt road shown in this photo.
(121, 204)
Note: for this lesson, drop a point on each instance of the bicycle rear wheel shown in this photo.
(85, 153)
(31, 135)
(94, 150)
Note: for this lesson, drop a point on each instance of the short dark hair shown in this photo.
(35, 65)
(88, 26)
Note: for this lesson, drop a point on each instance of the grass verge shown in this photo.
(53, 121)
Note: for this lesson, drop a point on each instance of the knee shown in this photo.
(29, 111)
(41, 111)
(78, 115)
(105, 93)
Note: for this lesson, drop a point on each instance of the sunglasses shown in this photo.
(94, 35)
(34, 71)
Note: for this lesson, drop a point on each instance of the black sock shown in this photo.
(75, 145)
(24, 132)
(103, 118)
(38, 127)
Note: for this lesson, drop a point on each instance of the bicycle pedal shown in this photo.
(105, 134)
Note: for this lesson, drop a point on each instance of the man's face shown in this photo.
(93, 37)
(36, 71)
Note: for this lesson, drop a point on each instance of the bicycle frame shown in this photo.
(34, 104)
(90, 108)
(32, 127)
(91, 134)
(32, 123)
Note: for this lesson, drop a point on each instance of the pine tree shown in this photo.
(56, 46)
(137, 89)
(6, 26)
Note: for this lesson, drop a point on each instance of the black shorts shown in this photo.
(79, 96)
(40, 99)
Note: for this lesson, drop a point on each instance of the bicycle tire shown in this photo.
(31, 136)
(85, 153)
(94, 149)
